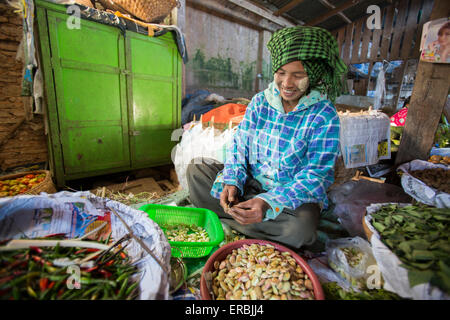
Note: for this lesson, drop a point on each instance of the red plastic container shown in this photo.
(222, 253)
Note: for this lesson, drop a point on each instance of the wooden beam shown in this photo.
(333, 12)
(216, 8)
(286, 8)
(428, 98)
(262, 12)
(332, 6)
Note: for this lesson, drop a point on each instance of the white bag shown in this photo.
(197, 143)
(419, 190)
(357, 275)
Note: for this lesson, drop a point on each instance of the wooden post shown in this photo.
(427, 102)
(259, 61)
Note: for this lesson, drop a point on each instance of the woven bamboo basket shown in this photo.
(45, 186)
(145, 10)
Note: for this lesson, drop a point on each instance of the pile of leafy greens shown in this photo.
(419, 236)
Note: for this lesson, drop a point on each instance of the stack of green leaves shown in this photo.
(333, 291)
(419, 236)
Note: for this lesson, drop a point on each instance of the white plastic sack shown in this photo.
(359, 275)
(396, 277)
(198, 143)
(419, 190)
(67, 212)
(364, 138)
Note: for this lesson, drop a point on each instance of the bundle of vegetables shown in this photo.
(333, 291)
(20, 185)
(437, 178)
(419, 236)
(43, 274)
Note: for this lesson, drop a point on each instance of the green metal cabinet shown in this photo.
(113, 100)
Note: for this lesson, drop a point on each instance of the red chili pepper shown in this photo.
(60, 292)
(54, 235)
(110, 262)
(37, 259)
(107, 274)
(6, 279)
(87, 250)
(5, 291)
(123, 255)
(17, 264)
(92, 269)
(43, 284)
(51, 285)
(36, 249)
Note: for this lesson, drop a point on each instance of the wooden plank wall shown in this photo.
(398, 39)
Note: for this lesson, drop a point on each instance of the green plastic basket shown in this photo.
(168, 215)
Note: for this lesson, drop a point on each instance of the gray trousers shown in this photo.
(294, 228)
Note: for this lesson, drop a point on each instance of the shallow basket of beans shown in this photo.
(252, 269)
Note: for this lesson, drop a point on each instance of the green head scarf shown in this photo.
(318, 51)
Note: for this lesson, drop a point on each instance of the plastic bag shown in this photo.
(352, 258)
(419, 190)
(198, 143)
(351, 199)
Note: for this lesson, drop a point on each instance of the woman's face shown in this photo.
(293, 81)
(444, 37)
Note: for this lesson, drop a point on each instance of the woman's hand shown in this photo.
(250, 211)
(228, 197)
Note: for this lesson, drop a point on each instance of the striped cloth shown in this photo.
(317, 49)
(291, 154)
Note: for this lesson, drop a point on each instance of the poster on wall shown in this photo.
(435, 43)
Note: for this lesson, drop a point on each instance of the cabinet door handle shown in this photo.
(134, 133)
(125, 72)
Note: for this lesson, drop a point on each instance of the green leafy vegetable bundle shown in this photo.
(419, 236)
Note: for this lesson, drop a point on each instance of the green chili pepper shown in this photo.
(131, 288)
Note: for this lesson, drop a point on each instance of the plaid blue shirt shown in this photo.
(291, 154)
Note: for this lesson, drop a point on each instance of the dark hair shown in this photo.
(445, 26)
